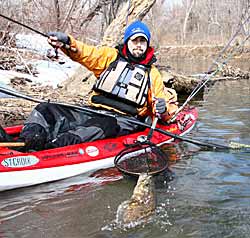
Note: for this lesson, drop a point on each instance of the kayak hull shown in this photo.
(19, 170)
(25, 178)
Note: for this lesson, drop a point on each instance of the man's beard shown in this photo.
(135, 59)
(137, 53)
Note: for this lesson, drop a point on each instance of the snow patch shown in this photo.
(50, 73)
(32, 42)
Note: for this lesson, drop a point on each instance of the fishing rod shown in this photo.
(66, 46)
(21, 24)
(234, 145)
(206, 77)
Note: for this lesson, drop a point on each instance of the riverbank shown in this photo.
(65, 81)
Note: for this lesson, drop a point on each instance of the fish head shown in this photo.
(144, 188)
(141, 206)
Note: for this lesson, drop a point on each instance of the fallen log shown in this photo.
(182, 84)
(185, 84)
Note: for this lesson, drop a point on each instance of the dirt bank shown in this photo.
(74, 91)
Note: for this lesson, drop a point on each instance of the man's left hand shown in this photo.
(58, 39)
(160, 105)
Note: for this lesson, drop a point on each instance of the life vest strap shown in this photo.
(117, 104)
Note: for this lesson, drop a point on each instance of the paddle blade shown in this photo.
(235, 145)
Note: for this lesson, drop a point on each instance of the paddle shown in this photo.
(129, 119)
(152, 128)
(11, 144)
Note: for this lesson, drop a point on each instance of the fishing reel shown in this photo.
(53, 55)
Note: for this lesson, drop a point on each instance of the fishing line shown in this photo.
(216, 62)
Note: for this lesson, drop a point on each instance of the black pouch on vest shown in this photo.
(101, 99)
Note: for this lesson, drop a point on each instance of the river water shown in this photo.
(208, 196)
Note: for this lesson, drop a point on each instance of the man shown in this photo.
(127, 84)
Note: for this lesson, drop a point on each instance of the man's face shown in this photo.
(138, 46)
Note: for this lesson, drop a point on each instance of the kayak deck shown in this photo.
(19, 169)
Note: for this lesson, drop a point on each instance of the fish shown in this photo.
(142, 204)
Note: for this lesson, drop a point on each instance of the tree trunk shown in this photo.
(115, 31)
(188, 11)
(57, 10)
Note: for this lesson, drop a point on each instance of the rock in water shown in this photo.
(141, 205)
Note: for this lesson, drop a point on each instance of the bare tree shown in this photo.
(135, 9)
(57, 14)
(186, 21)
(189, 8)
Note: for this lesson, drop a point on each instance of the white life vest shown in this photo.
(125, 82)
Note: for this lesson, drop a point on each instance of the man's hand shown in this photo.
(160, 105)
(58, 39)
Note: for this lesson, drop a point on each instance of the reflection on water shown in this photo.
(189, 65)
(208, 196)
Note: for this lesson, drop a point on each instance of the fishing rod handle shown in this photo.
(68, 47)
(55, 45)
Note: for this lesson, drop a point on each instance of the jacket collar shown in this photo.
(147, 60)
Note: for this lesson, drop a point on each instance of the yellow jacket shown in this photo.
(97, 59)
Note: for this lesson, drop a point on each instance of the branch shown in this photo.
(115, 31)
(94, 11)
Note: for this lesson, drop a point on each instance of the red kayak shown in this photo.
(19, 169)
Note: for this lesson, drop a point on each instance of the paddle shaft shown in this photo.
(129, 119)
(11, 144)
(152, 128)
